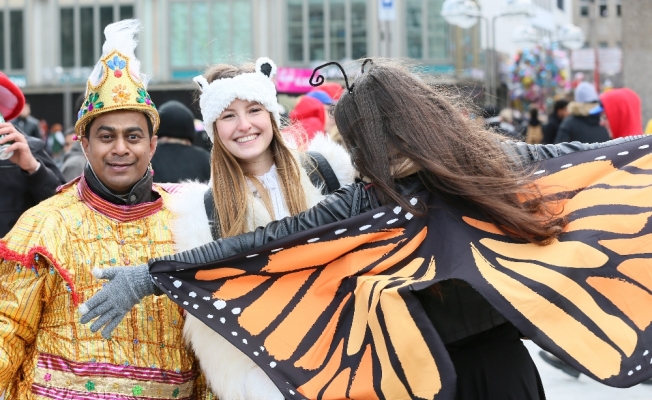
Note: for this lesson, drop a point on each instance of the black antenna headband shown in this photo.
(317, 80)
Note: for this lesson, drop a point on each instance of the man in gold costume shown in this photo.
(112, 215)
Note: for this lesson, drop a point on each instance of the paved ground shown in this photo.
(560, 386)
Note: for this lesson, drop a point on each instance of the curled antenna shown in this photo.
(368, 60)
(316, 80)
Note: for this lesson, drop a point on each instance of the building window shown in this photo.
(560, 4)
(584, 8)
(618, 4)
(81, 37)
(326, 30)
(208, 32)
(603, 45)
(17, 42)
(604, 11)
(428, 34)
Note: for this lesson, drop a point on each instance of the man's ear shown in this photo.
(84, 144)
(152, 146)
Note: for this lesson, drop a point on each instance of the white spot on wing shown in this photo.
(234, 333)
(397, 209)
(409, 216)
(645, 146)
(185, 303)
(236, 310)
(391, 221)
(340, 231)
(380, 214)
(646, 353)
(623, 153)
(600, 158)
(630, 373)
(244, 341)
(195, 306)
(276, 250)
(222, 320)
(252, 255)
(177, 284)
(365, 227)
(210, 316)
(413, 201)
(256, 353)
(539, 172)
(638, 367)
(192, 294)
(219, 304)
(206, 298)
(566, 166)
(272, 364)
(313, 240)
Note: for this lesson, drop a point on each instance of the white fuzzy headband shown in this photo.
(253, 86)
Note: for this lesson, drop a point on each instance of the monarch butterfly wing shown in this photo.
(327, 313)
(587, 297)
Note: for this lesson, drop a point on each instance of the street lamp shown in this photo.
(465, 14)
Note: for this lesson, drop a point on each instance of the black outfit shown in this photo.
(551, 128)
(175, 162)
(582, 127)
(485, 349)
(141, 192)
(28, 125)
(20, 191)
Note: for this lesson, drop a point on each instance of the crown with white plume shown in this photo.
(116, 82)
(256, 86)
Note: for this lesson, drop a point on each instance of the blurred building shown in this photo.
(601, 22)
(50, 46)
(637, 52)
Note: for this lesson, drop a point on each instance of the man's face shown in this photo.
(119, 149)
(562, 113)
(25, 111)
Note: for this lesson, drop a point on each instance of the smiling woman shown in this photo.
(119, 146)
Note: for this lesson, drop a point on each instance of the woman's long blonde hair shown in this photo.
(230, 188)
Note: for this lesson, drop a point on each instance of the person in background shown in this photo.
(622, 107)
(506, 116)
(310, 115)
(55, 143)
(74, 160)
(29, 176)
(534, 132)
(327, 101)
(559, 112)
(492, 122)
(176, 159)
(27, 124)
(583, 121)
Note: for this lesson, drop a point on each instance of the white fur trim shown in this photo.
(338, 158)
(253, 86)
(190, 227)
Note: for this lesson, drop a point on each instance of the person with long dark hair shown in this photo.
(405, 137)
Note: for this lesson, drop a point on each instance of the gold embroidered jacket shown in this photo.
(45, 273)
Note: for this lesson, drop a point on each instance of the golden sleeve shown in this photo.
(22, 295)
(202, 391)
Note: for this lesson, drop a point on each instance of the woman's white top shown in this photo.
(270, 181)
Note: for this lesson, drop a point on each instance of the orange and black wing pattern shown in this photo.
(329, 313)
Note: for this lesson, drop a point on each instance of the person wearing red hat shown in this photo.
(623, 110)
(309, 113)
(27, 173)
(334, 90)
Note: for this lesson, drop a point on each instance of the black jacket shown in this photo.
(551, 129)
(582, 127)
(29, 126)
(174, 162)
(20, 191)
(457, 311)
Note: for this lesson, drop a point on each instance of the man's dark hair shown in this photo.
(559, 105)
(150, 127)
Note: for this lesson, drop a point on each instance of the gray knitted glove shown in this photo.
(126, 287)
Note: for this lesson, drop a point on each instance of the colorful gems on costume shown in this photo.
(136, 341)
(150, 318)
(143, 97)
(175, 392)
(137, 390)
(36, 257)
(126, 363)
(75, 138)
(17, 268)
(47, 377)
(51, 270)
(90, 386)
(117, 64)
(120, 94)
(162, 345)
(112, 261)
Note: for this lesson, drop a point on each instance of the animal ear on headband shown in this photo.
(201, 82)
(266, 67)
(317, 80)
